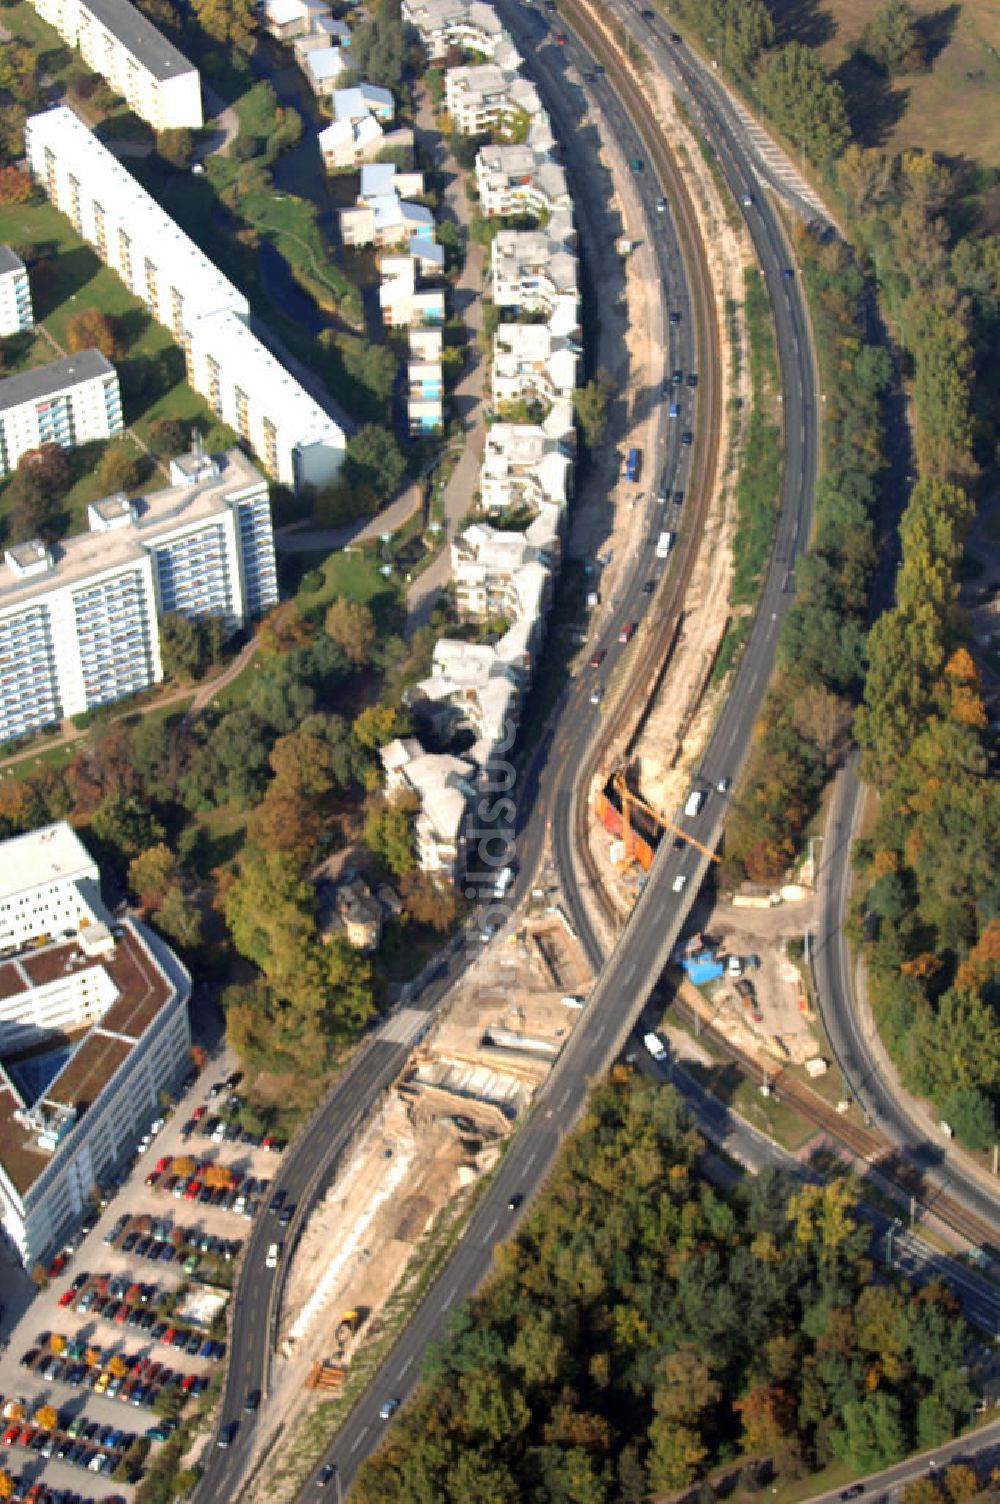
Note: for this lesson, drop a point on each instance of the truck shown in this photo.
(664, 544)
(655, 1046)
(633, 464)
(695, 800)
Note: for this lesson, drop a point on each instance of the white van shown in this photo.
(503, 881)
(695, 800)
(664, 544)
(655, 1046)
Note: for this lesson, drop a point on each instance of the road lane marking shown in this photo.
(358, 1439)
(406, 1365)
(565, 1097)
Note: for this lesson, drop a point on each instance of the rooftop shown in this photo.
(10, 261)
(140, 37)
(45, 381)
(52, 854)
(88, 554)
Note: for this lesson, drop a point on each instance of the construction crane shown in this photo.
(628, 799)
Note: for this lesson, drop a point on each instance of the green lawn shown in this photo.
(353, 574)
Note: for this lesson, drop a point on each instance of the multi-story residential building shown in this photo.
(425, 396)
(537, 271)
(357, 133)
(119, 43)
(298, 442)
(528, 464)
(465, 25)
(444, 786)
(403, 304)
(381, 214)
(530, 362)
(79, 620)
(498, 574)
(93, 1027)
(16, 316)
(519, 180)
(324, 66)
(492, 96)
(426, 344)
(70, 401)
(288, 19)
(475, 687)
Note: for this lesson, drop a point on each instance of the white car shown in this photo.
(724, 785)
(272, 1256)
(388, 1410)
(597, 695)
(679, 882)
(734, 966)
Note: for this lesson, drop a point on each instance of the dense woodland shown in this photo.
(643, 1328)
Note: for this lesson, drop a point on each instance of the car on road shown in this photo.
(649, 587)
(597, 694)
(678, 498)
(747, 200)
(228, 1433)
(285, 1215)
(661, 205)
(674, 411)
(560, 37)
(627, 632)
(854, 1492)
(635, 163)
(252, 1401)
(679, 882)
(597, 658)
(277, 1201)
(677, 377)
(675, 317)
(724, 785)
(272, 1256)
(788, 273)
(389, 1409)
(692, 379)
(687, 437)
(514, 1201)
(325, 1475)
(599, 69)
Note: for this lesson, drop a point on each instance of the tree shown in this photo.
(179, 917)
(378, 724)
(151, 874)
(389, 834)
(378, 46)
(127, 823)
(591, 403)
(804, 102)
(175, 146)
(190, 645)
(118, 469)
(893, 39)
(284, 629)
(183, 1165)
(41, 480)
(373, 463)
(231, 21)
(16, 186)
(429, 902)
(218, 1176)
(352, 627)
(7, 1485)
(168, 436)
(93, 329)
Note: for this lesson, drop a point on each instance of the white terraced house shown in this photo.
(404, 304)
(528, 464)
(499, 574)
(470, 25)
(79, 619)
(71, 401)
(444, 785)
(357, 132)
(519, 180)
(529, 362)
(119, 43)
(16, 316)
(538, 271)
(492, 96)
(296, 439)
(93, 1028)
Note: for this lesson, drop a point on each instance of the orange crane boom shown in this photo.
(628, 798)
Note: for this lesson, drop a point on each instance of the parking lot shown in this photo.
(131, 1325)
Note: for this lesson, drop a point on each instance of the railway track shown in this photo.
(626, 713)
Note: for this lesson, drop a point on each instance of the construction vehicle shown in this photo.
(351, 1322)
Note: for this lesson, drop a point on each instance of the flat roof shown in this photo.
(142, 991)
(44, 381)
(140, 37)
(11, 980)
(10, 261)
(88, 555)
(51, 854)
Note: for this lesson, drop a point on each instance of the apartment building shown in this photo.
(538, 271)
(16, 315)
(79, 619)
(529, 464)
(93, 1027)
(287, 19)
(117, 41)
(357, 133)
(475, 687)
(444, 786)
(425, 397)
(297, 441)
(382, 215)
(465, 25)
(499, 574)
(403, 302)
(519, 180)
(491, 96)
(426, 344)
(530, 362)
(70, 401)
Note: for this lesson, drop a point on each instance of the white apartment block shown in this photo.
(404, 304)
(287, 19)
(519, 180)
(93, 1026)
(426, 344)
(117, 41)
(16, 315)
(491, 96)
(357, 133)
(71, 401)
(425, 397)
(444, 786)
(296, 439)
(530, 362)
(382, 215)
(538, 271)
(79, 619)
(528, 464)
(476, 687)
(469, 25)
(499, 574)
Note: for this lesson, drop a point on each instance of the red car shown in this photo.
(10, 1435)
(161, 1165)
(57, 1265)
(625, 635)
(199, 1112)
(596, 659)
(561, 38)
(67, 1297)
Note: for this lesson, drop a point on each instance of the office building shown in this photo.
(117, 41)
(70, 401)
(16, 316)
(93, 1027)
(295, 438)
(79, 619)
